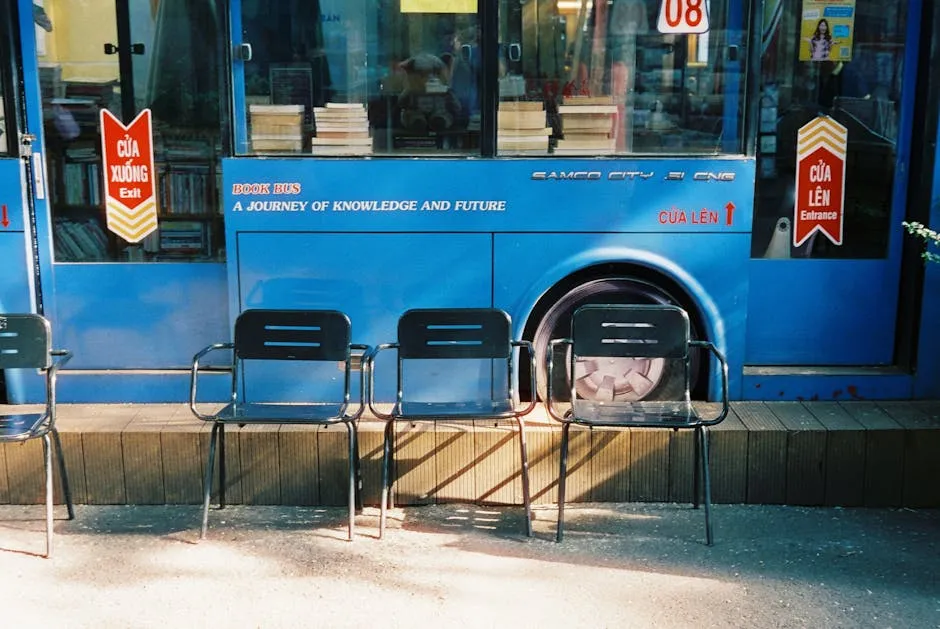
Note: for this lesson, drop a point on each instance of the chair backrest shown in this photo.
(292, 335)
(458, 333)
(637, 331)
(25, 342)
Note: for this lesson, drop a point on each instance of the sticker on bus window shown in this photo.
(826, 30)
(683, 16)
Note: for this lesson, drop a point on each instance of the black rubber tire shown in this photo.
(556, 323)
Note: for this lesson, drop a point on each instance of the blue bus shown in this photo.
(532, 155)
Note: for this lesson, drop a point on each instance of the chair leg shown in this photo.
(526, 497)
(703, 436)
(47, 459)
(560, 531)
(207, 484)
(386, 474)
(66, 488)
(696, 469)
(351, 430)
(222, 482)
(358, 463)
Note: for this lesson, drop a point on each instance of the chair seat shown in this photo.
(646, 414)
(261, 412)
(484, 409)
(22, 426)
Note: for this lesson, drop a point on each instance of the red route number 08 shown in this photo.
(683, 16)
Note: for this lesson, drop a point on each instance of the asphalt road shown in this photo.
(621, 565)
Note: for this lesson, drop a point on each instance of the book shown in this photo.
(520, 119)
(521, 105)
(321, 141)
(587, 109)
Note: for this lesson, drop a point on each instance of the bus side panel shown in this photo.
(139, 316)
(527, 265)
(373, 278)
(785, 327)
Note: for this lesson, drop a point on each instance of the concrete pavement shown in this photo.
(621, 565)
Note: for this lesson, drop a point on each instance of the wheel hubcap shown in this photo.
(617, 379)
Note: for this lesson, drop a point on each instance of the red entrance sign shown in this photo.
(130, 192)
(820, 180)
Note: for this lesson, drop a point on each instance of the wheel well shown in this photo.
(621, 270)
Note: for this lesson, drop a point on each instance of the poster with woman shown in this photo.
(826, 30)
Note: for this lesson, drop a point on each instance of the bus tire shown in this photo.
(602, 380)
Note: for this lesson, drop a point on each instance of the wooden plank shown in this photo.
(260, 465)
(806, 454)
(371, 434)
(681, 465)
(143, 454)
(845, 454)
(70, 426)
(921, 445)
(610, 476)
(727, 444)
(453, 460)
(184, 445)
(103, 453)
(4, 482)
(25, 471)
(578, 478)
(883, 479)
(333, 456)
(766, 453)
(542, 444)
(413, 471)
(649, 465)
(298, 465)
(497, 462)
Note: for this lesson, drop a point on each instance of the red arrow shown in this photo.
(4, 220)
(729, 213)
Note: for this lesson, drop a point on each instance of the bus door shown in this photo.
(127, 297)
(14, 220)
(836, 87)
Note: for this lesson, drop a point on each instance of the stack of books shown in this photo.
(277, 127)
(521, 128)
(341, 129)
(588, 126)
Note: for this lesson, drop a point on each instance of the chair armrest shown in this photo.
(59, 358)
(724, 380)
(550, 367)
(527, 345)
(194, 373)
(369, 363)
(365, 349)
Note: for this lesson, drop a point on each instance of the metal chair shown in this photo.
(263, 336)
(454, 334)
(26, 343)
(635, 331)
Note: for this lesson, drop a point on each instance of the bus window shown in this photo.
(127, 56)
(350, 77)
(579, 77)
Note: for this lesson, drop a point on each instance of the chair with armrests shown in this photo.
(266, 340)
(453, 334)
(26, 343)
(635, 331)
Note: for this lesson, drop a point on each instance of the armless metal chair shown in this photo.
(285, 337)
(454, 334)
(635, 331)
(26, 343)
